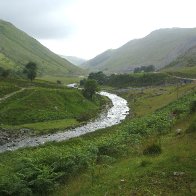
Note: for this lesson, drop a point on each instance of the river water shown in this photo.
(113, 116)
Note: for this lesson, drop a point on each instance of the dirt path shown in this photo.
(191, 79)
(11, 94)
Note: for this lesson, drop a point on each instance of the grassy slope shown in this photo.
(17, 48)
(115, 176)
(158, 48)
(137, 174)
(64, 80)
(41, 108)
(147, 101)
(7, 87)
(184, 65)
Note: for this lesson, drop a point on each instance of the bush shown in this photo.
(191, 128)
(153, 149)
(193, 106)
(144, 163)
(177, 112)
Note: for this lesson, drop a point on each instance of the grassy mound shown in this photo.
(41, 104)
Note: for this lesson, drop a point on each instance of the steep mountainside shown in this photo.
(99, 60)
(17, 49)
(186, 60)
(159, 48)
(74, 60)
(184, 65)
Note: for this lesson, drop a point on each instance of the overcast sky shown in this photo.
(85, 28)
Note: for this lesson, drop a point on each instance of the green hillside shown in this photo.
(97, 62)
(43, 106)
(17, 48)
(159, 48)
(184, 65)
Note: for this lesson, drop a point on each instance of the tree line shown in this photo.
(148, 68)
(29, 71)
(125, 80)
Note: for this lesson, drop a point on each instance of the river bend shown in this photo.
(113, 116)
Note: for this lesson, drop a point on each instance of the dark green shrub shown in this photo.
(105, 159)
(193, 106)
(177, 112)
(191, 128)
(153, 149)
(84, 117)
(144, 163)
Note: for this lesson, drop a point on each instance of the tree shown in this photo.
(4, 72)
(90, 88)
(30, 70)
(58, 82)
(82, 82)
(100, 77)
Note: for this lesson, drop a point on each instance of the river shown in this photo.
(113, 116)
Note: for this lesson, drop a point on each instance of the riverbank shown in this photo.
(68, 160)
(113, 116)
(39, 108)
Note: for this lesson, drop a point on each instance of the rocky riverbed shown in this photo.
(114, 115)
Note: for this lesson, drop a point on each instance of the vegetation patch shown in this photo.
(6, 88)
(193, 106)
(41, 104)
(192, 127)
(44, 107)
(153, 149)
(66, 160)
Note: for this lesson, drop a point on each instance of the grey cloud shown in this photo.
(38, 18)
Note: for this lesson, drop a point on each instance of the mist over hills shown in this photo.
(74, 60)
(159, 48)
(17, 48)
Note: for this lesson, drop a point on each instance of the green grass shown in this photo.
(44, 107)
(145, 101)
(64, 80)
(109, 160)
(189, 72)
(46, 127)
(184, 65)
(7, 63)
(170, 173)
(6, 88)
(42, 104)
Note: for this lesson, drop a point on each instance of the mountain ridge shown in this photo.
(18, 48)
(158, 48)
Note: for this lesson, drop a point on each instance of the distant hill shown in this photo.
(97, 62)
(159, 48)
(74, 60)
(17, 48)
(184, 65)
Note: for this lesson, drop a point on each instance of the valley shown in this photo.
(126, 126)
